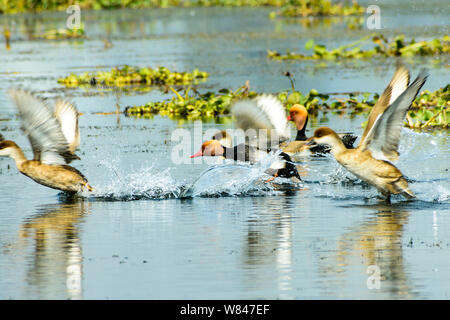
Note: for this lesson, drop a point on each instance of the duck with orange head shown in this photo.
(297, 148)
(264, 121)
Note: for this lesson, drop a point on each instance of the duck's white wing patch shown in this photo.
(265, 116)
(43, 130)
(67, 115)
(384, 137)
(398, 84)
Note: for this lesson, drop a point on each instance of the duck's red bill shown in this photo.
(198, 154)
(289, 118)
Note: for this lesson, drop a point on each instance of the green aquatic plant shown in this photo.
(128, 75)
(315, 8)
(58, 34)
(290, 7)
(383, 47)
(314, 101)
(348, 22)
(429, 109)
(195, 106)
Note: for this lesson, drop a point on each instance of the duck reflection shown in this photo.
(268, 249)
(55, 269)
(375, 242)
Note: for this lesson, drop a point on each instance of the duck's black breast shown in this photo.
(244, 152)
(240, 152)
(289, 170)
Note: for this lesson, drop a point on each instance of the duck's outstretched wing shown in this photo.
(263, 119)
(42, 128)
(383, 138)
(398, 84)
(67, 115)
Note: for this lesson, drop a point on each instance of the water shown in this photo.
(154, 229)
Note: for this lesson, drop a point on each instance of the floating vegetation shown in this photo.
(348, 23)
(58, 34)
(383, 47)
(429, 109)
(209, 104)
(319, 8)
(315, 101)
(127, 75)
(291, 8)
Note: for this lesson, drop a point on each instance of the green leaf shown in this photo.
(309, 44)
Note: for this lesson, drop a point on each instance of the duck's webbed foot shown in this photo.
(386, 197)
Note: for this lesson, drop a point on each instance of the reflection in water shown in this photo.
(375, 242)
(269, 243)
(55, 269)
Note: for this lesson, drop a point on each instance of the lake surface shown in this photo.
(136, 238)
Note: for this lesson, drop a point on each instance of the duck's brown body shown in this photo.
(60, 177)
(370, 161)
(54, 137)
(297, 146)
(383, 175)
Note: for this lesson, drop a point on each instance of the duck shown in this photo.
(371, 161)
(224, 138)
(264, 122)
(299, 115)
(54, 137)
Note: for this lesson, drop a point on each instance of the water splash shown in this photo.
(226, 179)
(230, 180)
(147, 183)
(422, 162)
(238, 179)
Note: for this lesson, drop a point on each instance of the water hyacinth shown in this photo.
(319, 8)
(383, 47)
(429, 109)
(209, 104)
(315, 101)
(58, 34)
(290, 7)
(127, 75)
(347, 22)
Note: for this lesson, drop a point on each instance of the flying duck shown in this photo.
(371, 160)
(54, 137)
